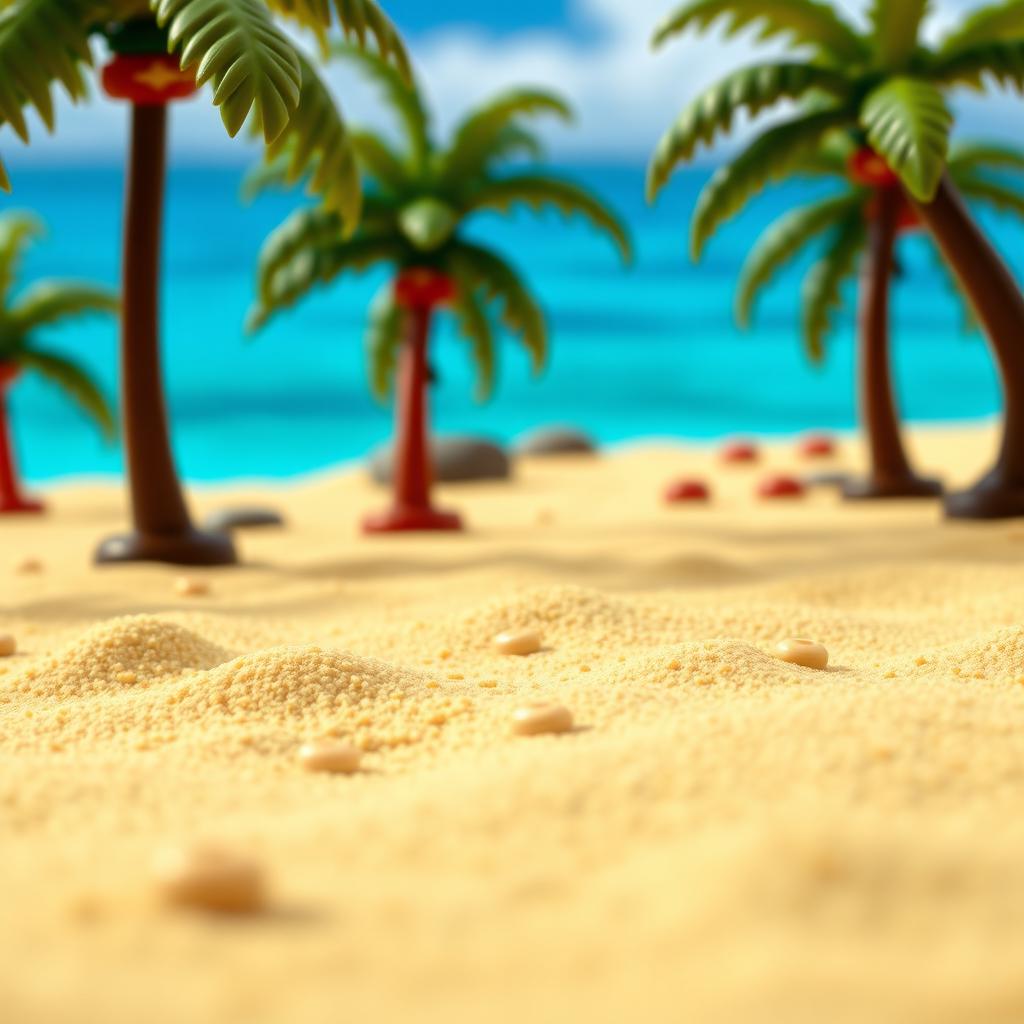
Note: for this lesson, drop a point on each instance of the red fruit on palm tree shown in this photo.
(418, 292)
(683, 491)
(775, 487)
(147, 79)
(867, 168)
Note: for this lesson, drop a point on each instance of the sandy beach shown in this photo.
(723, 837)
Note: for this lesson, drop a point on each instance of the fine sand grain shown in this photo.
(709, 834)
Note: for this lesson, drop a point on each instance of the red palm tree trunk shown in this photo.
(419, 293)
(890, 474)
(999, 305)
(11, 497)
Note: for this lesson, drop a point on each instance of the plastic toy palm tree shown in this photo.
(418, 203)
(888, 87)
(860, 226)
(45, 304)
(163, 50)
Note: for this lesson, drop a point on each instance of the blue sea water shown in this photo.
(649, 352)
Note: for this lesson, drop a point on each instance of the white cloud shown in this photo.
(624, 95)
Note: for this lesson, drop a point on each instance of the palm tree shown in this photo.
(254, 69)
(419, 200)
(861, 225)
(887, 86)
(44, 304)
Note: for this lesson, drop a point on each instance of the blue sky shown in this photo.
(596, 53)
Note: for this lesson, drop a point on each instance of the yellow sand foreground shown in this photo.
(725, 837)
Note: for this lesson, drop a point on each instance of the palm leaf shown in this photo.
(316, 146)
(896, 26)
(751, 90)
(823, 287)
(538, 191)
(486, 272)
(380, 162)
(304, 229)
(384, 339)
(516, 141)
(970, 156)
(995, 193)
(782, 242)
(801, 22)
(360, 19)
(769, 158)
(235, 45)
(475, 327)
(997, 23)
(908, 123)
(402, 96)
(1004, 62)
(75, 381)
(310, 267)
(41, 42)
(49, 302)
(483, 129)
(16, 231)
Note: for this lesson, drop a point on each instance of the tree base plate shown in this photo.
(191, 548)
(986, 501)
(412, 520)
(870, 489)
(21, 506)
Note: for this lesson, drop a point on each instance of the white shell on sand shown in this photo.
(211, 878)
(518, 642)
(541, 719)
(802, 652)
(189, 586)
(332, 756)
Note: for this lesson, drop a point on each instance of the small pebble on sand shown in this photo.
(189, 586)
(331, 756)
(29, 566)
(802, 652)
(8, 645)
(542, 719)
(518, 641)
(212, 878)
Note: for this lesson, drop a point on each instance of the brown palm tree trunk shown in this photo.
(11, 497)
(163, 530)
(890, 474)
(412, 509)
(999, 305)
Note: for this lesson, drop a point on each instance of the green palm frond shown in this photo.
(310, 267)
(360, 19)
(481, 130)
(16, 231)
(402, 96)
(538, 191)
(908, 124)
(995, 193)
(996, 23)
(41, 42)
(316, 146)
(823, 287)
(381, 162)
(485, 272)
(896, 27)
(969, 156)
(784, 239)
(1003, 62)
(384, 339)
(770, 157)
(235, 45)
(801, 22)
(831, 158)
(74, 380)
(749, 90)
(516, 141)
(303, 230)
(49, 302)
(475, 326)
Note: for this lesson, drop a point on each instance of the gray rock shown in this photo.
(246, 518)
(556, 441)
(455, 460)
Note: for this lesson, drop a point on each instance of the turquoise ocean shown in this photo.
(650, 352)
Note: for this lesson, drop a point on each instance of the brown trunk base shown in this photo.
(412, 520)
(192, 548)
(873, 489)
(992, 498)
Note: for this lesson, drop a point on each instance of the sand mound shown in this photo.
(121, 653)
(997, 656)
